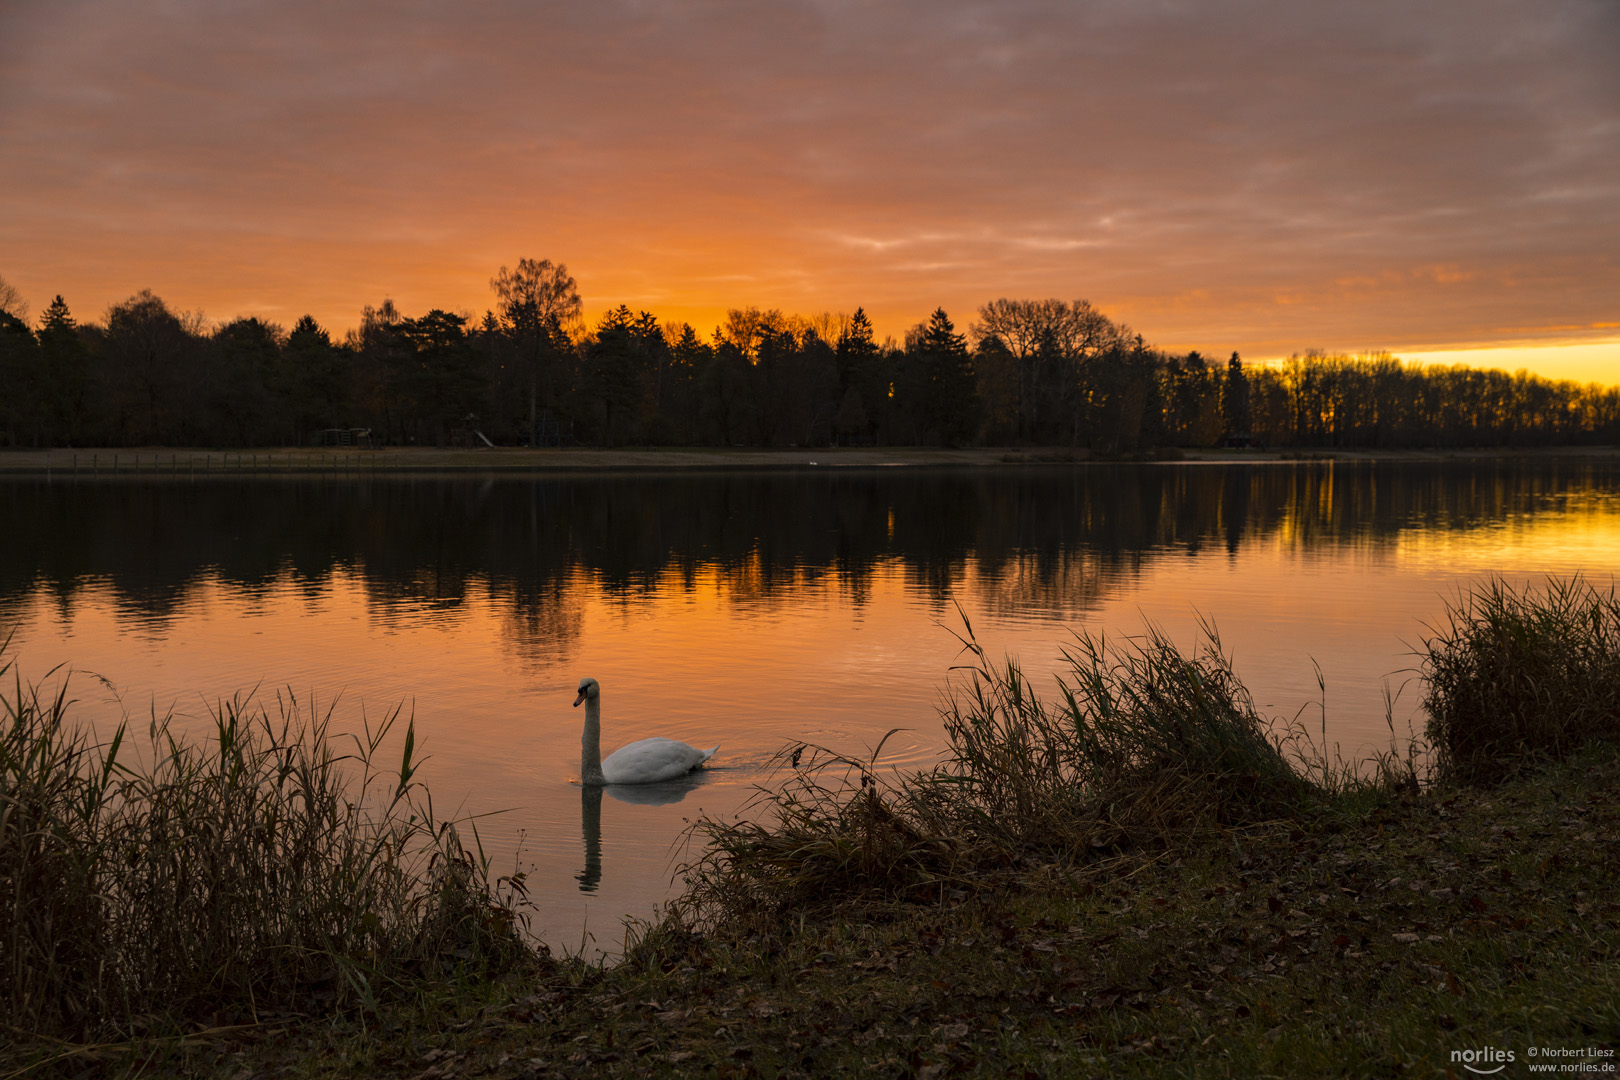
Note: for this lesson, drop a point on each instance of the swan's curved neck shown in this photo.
(590, 743)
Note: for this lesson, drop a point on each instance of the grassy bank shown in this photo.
(194, 464)
(1365, 940)
(1326, 948)
(1130, 875)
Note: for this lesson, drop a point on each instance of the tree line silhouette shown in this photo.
(1040, 373)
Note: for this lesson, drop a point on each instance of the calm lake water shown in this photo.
(749, 610)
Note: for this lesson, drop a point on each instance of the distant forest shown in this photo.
(1038, 373)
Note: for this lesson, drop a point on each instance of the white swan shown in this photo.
(644, 762)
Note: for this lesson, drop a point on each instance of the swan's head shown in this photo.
(587, 689)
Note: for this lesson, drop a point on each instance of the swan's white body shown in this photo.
(652, 760)
(646, 762)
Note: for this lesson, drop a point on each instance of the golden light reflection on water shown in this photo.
(1584, 536)
(753, 649)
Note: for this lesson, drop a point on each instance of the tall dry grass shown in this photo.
(1517, 676)
(272, 868)
(1143, 744)
(1142, 747)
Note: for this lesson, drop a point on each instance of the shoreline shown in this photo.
(1385, 935)
(1326, 927)
(294, 461)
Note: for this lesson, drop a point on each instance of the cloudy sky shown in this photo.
(1267, 176)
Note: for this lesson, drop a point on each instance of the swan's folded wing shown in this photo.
(652, 760)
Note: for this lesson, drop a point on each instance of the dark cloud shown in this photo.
(1262, 175)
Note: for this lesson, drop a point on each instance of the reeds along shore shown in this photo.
(1144, 748)
(1517, 675)
(278, 869)
(272, 869)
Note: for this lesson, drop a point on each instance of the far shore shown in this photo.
(286, 461)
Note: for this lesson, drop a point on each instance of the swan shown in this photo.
(644, 762)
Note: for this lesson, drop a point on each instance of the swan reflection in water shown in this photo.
(651, 772)
(590, 815)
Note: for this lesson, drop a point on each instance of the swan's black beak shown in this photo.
(579, 699)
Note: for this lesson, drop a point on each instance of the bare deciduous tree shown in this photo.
(12, 302)
(538, 305)
(537, 294)
(1051, 342)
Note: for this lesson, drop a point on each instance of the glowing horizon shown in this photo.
(1261, 177)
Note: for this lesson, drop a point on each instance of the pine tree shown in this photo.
(57, 318)
(614, 370)
(1235, 399)
(861, 369)
(945, 383)
(65, 362)
(316, 379)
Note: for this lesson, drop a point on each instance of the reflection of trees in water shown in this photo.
(1054, 539)
(14, 608)
(540, 621)
(1062, 586)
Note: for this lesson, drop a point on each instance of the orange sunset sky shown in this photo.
(1259, 175)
